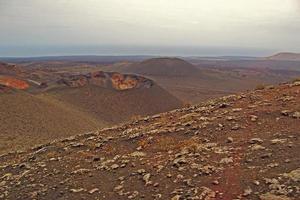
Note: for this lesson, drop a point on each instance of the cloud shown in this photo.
(298, 4)
(245, 23)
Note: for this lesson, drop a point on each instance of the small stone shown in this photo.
(237, 109)
(118, 188)
(146, 178)
(256, 141)
(141, 171)
(229, 140)
(215, 182)
(24, 166)
(77, 190)
(230, 118)
(7, 176)
(235, 127)
(2, 183)
(226, 160)
(257, 147)
(115, 166)
(92, 191)
(157, 196)
(296, 115)
(138, 154)
(278, 141)
(133, 195)
(223, 105)
(253, 118)
(255, 182)
(77, 144)
(176, 197)
(266, 155)
(285, 112)
(247, 192)
(271, 181)
(272, 165)
(178, 161)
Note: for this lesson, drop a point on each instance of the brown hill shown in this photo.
(243, 146)
(44, 107)
(213, 78)
(113, 97)
(285, 56)
(114, 106)
(162, 67)
(30, 119)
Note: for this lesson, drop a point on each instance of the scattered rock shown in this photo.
(226, 160)
(296, 115)
(294, 175)
(115, 166)
(77, 190)
(247, 192)
(256, 141)
(269, 196)
(229, 140)
(146, 178)
(92, 191)
(138, 154)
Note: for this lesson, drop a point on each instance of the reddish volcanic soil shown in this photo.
(14, 83)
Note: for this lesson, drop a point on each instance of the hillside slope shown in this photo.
(243, 146)
(27, 120)
(114, 106)
(40, 106)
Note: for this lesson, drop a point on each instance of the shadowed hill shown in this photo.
(163, 67)
(117, 106)
(27, 119)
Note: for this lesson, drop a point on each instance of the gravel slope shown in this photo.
(243, 146)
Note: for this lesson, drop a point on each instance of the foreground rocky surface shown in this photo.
(242, 146)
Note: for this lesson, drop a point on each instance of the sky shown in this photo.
(167, 27)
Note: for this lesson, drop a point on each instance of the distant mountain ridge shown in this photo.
(285, 56)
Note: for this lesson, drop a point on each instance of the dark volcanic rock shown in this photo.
(112, 80)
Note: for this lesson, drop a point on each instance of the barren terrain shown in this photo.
(40, 105)
(243, 146)
(204, 79)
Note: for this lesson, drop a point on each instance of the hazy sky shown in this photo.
(38, 27)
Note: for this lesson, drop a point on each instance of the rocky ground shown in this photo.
(243, 146)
